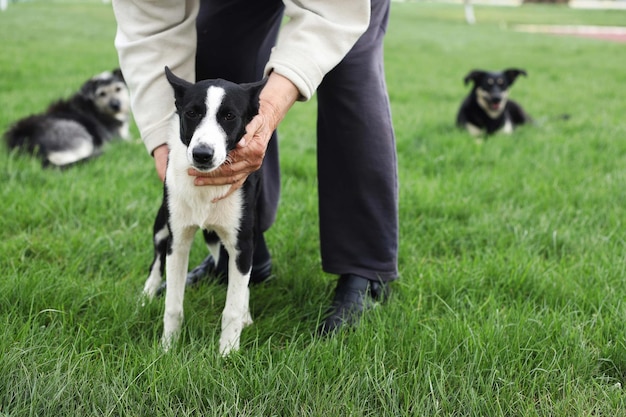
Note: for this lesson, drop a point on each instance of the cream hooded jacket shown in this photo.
(154, 33)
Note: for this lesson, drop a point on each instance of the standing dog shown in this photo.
(487, 109)
(211, 119)
(75, 129)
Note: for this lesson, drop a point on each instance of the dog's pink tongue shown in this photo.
(495, 106)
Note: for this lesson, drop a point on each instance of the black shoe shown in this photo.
(353, 296)
(261, 270)
(208, 269)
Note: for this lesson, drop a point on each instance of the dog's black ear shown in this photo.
(475, 76)
(88, 89)
(178, 84)
(117, 73)
(255, 90)
(512, 73)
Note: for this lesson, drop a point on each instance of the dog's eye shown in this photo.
(490, 81)
(500, 81)
(191, 114)
(228, 116)
(102, 94)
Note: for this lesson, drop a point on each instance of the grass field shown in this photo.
(511, 298)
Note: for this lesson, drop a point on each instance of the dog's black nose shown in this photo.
(203, 155)
(115, 105)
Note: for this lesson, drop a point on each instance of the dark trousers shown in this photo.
(357, 164)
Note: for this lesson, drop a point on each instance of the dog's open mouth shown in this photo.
(495, 105)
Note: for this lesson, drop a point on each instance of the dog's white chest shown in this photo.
(508, 127)
(474, 130)
(193, 206)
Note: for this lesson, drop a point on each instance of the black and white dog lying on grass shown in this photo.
(211, 119)
(487, 109)
(73, 130)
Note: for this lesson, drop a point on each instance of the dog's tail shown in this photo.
(22, 135)
(554, 118)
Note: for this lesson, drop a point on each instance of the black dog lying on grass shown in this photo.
(487, 109)
(74, 130)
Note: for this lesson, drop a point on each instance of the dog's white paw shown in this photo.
(172, 323)
(167, 342)
(147, 294)
(228, 346)
(169, 339)
(247, 319)
(231, 332)
(144, 299)
(151, 286)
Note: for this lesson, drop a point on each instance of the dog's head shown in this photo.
(109, 94)
(492, 88)
(213, 116)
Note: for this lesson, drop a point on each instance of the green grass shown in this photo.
(512, 253)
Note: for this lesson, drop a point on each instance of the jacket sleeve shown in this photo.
(316, 37)
(151, 35)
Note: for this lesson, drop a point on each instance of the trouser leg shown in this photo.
(235, 38)
(357, 163)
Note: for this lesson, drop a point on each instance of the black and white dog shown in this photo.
(75, 129)
(487, 109)
(211, 117)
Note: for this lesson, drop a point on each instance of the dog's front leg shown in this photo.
(236, 314)
(176, 271)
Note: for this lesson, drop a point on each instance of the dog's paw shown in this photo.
(151, 287)
(168, 341)
(232, 326)
(230, 337)
(144, 300)
(247, 319)
(166, 344)
(227, 347)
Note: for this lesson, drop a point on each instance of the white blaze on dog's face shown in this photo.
(207, 149)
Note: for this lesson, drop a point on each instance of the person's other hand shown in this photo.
(160, 160)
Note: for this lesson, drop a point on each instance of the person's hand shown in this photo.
(242, 161)
(160, 160)
(275, 100)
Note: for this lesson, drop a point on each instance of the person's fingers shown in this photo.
(219, 180)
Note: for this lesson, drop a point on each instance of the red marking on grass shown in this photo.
(603, 36)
